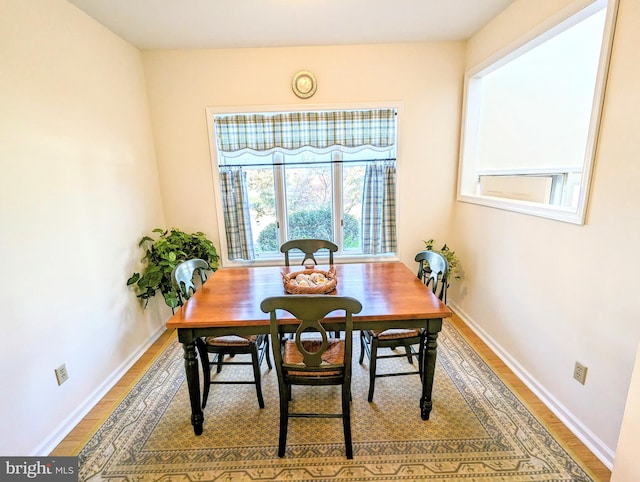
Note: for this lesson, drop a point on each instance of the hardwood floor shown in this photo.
(74, 441)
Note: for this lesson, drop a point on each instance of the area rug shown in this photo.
(478, 429)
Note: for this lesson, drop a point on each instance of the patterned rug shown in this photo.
(478, 429)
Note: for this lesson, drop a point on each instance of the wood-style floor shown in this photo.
(72, 443)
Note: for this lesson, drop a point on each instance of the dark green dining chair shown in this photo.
(312, 361)
(220, 346)
(433, 271)
(183, 278)
(309, 247)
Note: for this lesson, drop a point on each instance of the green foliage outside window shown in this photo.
(310, 224)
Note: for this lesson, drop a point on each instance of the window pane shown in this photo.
(536, 109)
(308, 201)
(262, 207)
(352, 186)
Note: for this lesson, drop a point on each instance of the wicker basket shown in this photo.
(291, 284)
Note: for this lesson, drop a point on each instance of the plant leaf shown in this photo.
(143, 240)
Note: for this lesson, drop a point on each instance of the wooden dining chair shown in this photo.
(255, 345)
(433, 271)
(309, 247)
(318, 360)
(183, 279)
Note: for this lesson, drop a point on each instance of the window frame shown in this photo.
(340, 256)
(559, 22)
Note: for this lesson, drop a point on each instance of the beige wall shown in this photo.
(78, 188)
(425, 78)
(546, 293)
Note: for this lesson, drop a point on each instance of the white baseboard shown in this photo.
(75, 417)
(586, 436)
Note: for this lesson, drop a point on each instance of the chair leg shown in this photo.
(372, 368)
(346, 420)
(206, 369)
(219, 359)
(362, 348)
(284, 419)
(407, 348)
(266, 351)
(256, 374)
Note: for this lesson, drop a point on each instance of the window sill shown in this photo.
(574, 216)
(322, 261)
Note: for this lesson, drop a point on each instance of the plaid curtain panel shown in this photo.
(379, 208)
(235, 205)
(294, 130)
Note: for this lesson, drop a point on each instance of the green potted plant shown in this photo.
(450, 256)
(165, 253)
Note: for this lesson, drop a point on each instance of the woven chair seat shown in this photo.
(333, 355)
(231, 340)
(395, 333)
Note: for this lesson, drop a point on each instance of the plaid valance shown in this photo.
(294, 130)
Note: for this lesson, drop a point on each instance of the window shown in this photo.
(306, 174)
(531, 117)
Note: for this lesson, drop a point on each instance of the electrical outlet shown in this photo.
(61, 374)
(580, 372)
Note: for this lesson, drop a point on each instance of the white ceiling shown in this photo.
(181, 24)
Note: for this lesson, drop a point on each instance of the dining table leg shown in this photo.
(193, 382)
(430, 345)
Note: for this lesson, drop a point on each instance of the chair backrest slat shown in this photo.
(182, 277)
(310, 310)
(433, 270)
(309, 247)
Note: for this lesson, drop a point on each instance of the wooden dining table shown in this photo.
(229, 303)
